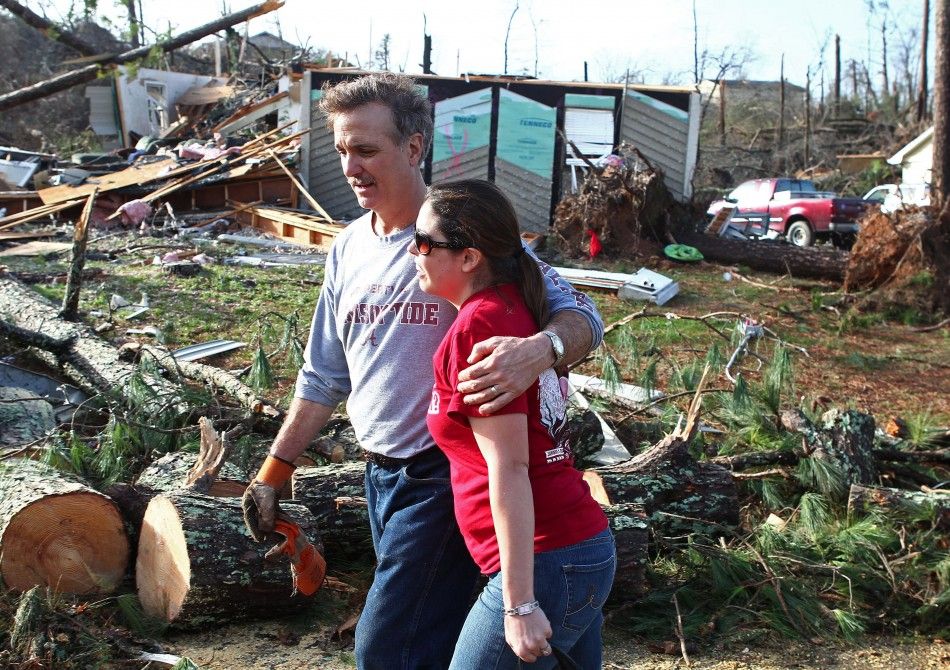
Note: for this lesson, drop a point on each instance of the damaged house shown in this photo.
(509, 131)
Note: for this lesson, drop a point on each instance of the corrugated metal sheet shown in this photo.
(102, 110)
(530, 194)
(326, 181)
(471, 165)
(660, 131)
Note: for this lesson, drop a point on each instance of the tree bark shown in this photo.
(844, 438)
(90, 72)
(78, 260)
(941, 142)
(770, 256)
(678, 493)
(57, 532)
(922, 84)
(865, 498)
(197, 565)
(81, 354)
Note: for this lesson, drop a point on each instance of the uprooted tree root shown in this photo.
(903, 260)
(621, 203)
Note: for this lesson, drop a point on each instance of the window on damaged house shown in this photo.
(157, 107)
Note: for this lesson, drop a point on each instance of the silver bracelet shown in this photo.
(523, 609)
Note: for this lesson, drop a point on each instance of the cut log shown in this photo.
(84, 357)
(678, 493)
(770, 256)
(866, 498)
(57, 532)
(197, 565)
(334, 494)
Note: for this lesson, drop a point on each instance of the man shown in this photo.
(371, 343)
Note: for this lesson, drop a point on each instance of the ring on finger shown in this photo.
(546, 651)
(494, 389)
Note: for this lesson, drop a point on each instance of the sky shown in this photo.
(552, 39)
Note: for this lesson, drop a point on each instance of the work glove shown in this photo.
(307, 566)
(259, 503)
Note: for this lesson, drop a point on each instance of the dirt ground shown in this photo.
(287, 645)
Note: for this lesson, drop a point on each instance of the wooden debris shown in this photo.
(58, 532)
(74, 278)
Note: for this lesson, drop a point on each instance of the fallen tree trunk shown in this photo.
(334, 494)
(86, 359)
(867, 498)
(678, 493)
(90, 72)
(770, 256)
(215, 377)
(57, 532)
(197, 565)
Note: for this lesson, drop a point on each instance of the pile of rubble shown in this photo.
(621, 203)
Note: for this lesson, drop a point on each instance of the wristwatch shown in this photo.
(557, 345)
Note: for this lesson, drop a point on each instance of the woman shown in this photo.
(526, 514)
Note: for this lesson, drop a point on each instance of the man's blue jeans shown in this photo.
(571, 584)
(425, 578)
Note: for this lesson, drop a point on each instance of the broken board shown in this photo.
(135, 174)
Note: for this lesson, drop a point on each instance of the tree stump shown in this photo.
(57, 532)
(678, 493)
(198, 566)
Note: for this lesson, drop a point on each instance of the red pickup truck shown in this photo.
(793, 208)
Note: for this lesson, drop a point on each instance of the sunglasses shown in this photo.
(425, 244)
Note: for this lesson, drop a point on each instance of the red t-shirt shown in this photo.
(564, 511)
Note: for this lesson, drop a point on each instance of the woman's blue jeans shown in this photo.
(425, 578)
(571, 584)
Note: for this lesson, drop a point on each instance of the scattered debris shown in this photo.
(198, 351)
(642, 285)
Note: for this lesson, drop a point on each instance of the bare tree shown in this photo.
(381, 56)
(508, 34)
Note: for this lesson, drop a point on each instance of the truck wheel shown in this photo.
(800, 234)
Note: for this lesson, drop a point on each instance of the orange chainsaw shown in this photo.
(307, 566)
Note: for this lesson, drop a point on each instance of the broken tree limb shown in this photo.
(866, 498)
(90, 72)
(215, 377)
(770, 256)
(48, 28)
(55, 531)
(845, 439)
(198, 566)
(87, 360)
(74, 279)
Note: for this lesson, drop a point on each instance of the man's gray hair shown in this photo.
(410, 108)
